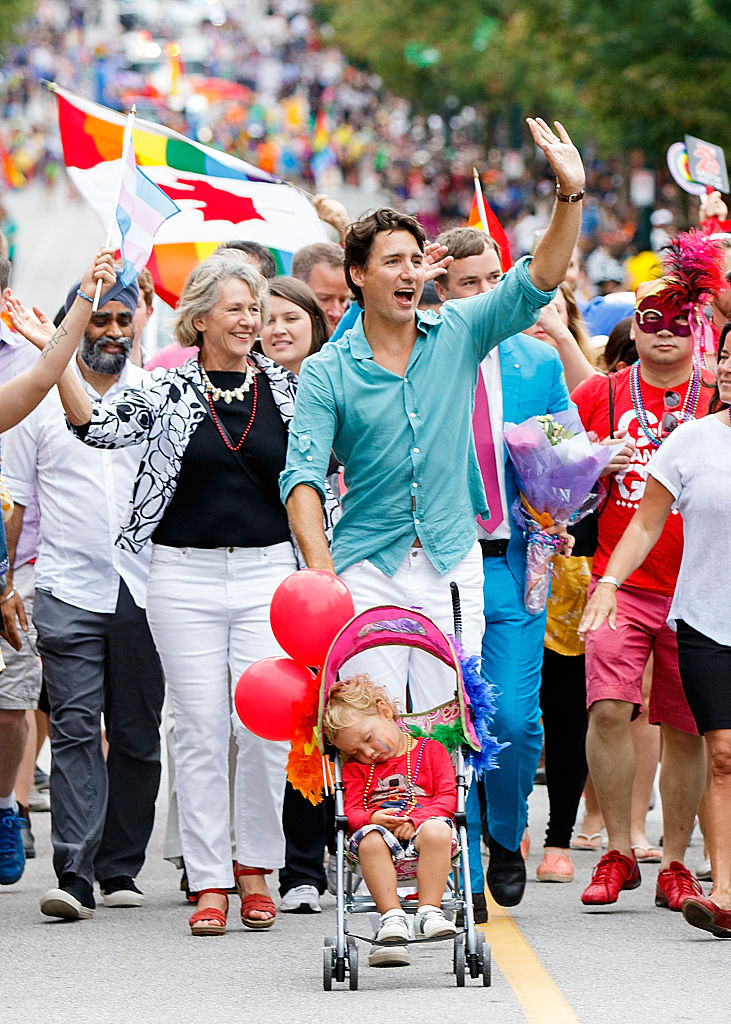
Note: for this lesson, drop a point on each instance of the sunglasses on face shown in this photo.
(650, 321)
(104, 319)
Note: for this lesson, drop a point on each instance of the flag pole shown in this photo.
(480, 199)
(127, 141)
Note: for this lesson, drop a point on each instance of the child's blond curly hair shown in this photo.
(351, 698)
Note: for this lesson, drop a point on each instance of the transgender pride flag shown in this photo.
(142, 207)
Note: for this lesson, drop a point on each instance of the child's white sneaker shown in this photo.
(394, 930)
(430, 923)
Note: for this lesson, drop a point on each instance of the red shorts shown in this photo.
(616, 659)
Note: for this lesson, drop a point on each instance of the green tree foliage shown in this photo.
(12, 13)
(621, 73)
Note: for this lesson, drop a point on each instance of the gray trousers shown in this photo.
(102, 813)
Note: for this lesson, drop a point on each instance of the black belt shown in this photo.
(493, 548)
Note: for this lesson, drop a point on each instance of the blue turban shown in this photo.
(128, 295)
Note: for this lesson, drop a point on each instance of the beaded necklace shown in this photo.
(409, 801)
(209, 396)
(687, 411)
(228, 396)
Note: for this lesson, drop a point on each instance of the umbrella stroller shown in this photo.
(453, 723)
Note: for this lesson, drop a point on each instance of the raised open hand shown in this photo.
(34, 326)
(561, 153)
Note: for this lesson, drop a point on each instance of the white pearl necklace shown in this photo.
(228, 396)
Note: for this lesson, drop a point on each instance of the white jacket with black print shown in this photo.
(163, 417)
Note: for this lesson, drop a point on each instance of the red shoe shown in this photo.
(675, 884)
(612, 875)
(703, 913)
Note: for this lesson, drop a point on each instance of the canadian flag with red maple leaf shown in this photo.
(220, 197)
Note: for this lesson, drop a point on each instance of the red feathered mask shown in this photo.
(692, 273)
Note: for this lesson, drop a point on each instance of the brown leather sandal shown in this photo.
(209, 920)
(255, 901)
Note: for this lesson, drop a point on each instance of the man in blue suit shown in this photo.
(521, 378)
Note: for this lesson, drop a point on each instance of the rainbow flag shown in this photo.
(321, 133)
(10, 174)
(220, 197)
(494, 229)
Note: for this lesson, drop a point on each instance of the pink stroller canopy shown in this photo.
(391, 624)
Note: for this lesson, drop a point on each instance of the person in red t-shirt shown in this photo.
(663, 389)
(400, 799)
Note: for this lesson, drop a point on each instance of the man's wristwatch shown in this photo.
(609, 579)
(574, 197)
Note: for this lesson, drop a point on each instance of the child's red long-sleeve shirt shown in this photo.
(435, 787)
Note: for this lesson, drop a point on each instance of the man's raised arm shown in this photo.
(551, 261)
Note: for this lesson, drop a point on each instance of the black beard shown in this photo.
(108, 363)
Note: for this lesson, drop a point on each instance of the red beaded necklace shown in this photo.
(232, 447)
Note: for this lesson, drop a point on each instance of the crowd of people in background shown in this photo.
(268, 86)
(151, 569)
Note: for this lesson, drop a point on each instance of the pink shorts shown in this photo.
(616, 659)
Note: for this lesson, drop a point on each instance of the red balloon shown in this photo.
(308, 611)
(270, 697)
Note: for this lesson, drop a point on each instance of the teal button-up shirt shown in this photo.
(406, 442)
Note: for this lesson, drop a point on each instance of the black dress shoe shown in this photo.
(505, 874)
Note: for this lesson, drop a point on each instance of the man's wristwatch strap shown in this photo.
(573, 197)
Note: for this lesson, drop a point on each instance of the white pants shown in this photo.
(209, 614)
(417, 584)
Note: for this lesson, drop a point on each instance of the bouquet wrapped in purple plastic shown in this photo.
(557, 467)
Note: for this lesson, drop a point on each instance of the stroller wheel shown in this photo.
(352, 963)
(328, 963)
(458, 960)
(484, 960)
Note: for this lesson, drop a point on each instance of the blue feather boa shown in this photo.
(482, 698)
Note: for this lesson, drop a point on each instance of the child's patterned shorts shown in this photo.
(404, 857)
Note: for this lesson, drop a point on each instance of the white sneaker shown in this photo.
(704, 873)
(301, 899)
(394, 930)
(60, 903)
(431, 923)
(39, 800)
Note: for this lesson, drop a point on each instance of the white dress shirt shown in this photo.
(490, 370)
(84, 496)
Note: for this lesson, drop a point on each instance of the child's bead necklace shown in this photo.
(409, 801)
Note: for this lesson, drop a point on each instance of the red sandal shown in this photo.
(209, 920)
(255, 901)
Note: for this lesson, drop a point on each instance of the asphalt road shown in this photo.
(553, 961)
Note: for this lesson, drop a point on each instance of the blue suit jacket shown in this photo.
(533, 383)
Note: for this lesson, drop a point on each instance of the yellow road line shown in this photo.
(534, 989)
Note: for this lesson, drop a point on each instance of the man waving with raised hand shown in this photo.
(393, 397)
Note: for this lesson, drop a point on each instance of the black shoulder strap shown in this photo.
(612, 388)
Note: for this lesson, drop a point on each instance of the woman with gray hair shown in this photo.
(207, 495)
